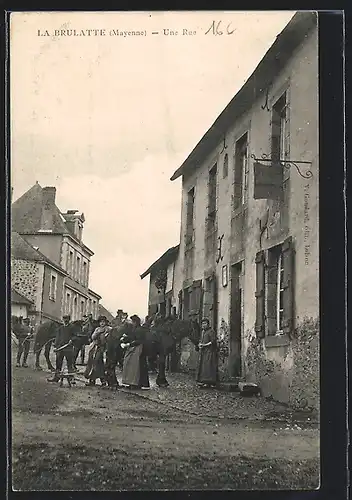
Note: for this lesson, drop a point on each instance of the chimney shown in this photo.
(49, 194)
(46, 223)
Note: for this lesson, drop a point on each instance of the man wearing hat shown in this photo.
(63, 346)
(24, 333)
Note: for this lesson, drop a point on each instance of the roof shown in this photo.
(94, 293)
(21, 249)
(104, 312)
(167, 258)
(27, 212)
(272, 63)
(18, 298)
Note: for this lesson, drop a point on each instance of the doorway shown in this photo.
(210, 301)
(235, 321)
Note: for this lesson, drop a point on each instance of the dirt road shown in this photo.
(93, 439)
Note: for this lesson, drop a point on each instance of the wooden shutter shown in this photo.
(260, 295)
(180, 305)
(275, 135)
(287, 126)
(237, 178)
(268, 181)
(196, 297)
(288, 270)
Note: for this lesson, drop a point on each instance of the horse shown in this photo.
(45, 336)
(160, 340)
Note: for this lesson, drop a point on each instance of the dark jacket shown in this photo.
(136, 335)
(63, 335)
(22, 331)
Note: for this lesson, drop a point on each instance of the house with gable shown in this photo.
(161, 297)
(59, 237)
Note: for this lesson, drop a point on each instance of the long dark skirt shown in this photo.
(135, 368)
(208, 366)
(95, 366)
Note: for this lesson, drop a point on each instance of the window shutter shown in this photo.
(275, 136)
(268, 181)
(287, 126)
(259, 294)
(196, 297)
(288, 270)
(237, 186)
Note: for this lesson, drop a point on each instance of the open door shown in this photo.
(235, 322)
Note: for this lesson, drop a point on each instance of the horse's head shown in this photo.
(76, 326)
(180, 328)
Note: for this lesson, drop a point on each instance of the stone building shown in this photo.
(38, 279)
(248, 256)
(161, 296)
(58, 236)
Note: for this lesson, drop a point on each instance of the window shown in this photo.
(279, 130)
(280, 295)
(70, 263)
(85, 274)
(78, 268)
(212, 191)
(225, 168)
(241, 172)
(274, 290)
(68, 303)
(74, 311)
(53, 286)
(82, 308)
(189, 217)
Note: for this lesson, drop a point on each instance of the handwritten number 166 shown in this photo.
(215, 29)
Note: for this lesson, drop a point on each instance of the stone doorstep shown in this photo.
(228, 386)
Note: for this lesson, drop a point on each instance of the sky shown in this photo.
(108, 118)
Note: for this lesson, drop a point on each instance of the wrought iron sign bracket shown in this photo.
(266, 104)
(288, 164)
(224, 146)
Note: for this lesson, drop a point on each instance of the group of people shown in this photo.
(102, 361)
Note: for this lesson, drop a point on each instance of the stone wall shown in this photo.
(293, 377)
(25, 278)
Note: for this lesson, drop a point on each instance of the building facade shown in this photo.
(38, 279)
(58, 236)
(248, 257)
(161, 297)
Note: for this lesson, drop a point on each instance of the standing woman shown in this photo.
(207, 375)
(95, 366)
(135, 368)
